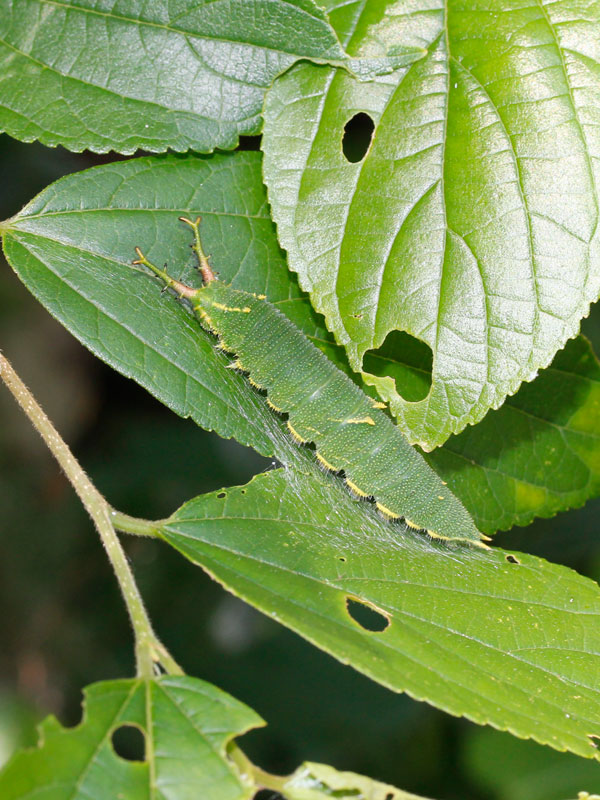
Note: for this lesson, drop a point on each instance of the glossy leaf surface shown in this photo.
(156, 76)
(472, 221)
(503, 639)
(187, 725)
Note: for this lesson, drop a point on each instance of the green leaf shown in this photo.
(318, 781)
(156, 76)
(537, 455)
(509, 769)
(73, 245)
(187, 725)
(472, 221)
(508, 640)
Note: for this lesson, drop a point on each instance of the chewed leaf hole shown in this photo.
(129, 743)
(366, 615)
(512, 559)
(221, 495)
(358, 133)
(405, 359)
(594, 739)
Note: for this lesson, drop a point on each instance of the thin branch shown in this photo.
(148, 649)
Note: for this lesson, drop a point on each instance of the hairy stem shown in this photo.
(148, 649)
(134, 525)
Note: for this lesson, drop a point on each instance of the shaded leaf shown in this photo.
(538, 454)
(509, 769)
(156, 76)
(471, 223)
(508, 640)
(187, 725)
(318, 781)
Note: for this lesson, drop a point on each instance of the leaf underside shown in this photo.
(472, 221)
(507, 640)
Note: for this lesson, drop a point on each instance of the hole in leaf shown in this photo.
(405, 359)
(594, 739)
(221, 495)
(358, 133)
(512, 559)
(342, 558)
(129, 743)
(366, 615)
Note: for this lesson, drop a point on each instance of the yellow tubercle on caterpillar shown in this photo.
(252, 382)
(377, 403)
(205, 320)
(386, 512)
(221, 307)
(273, 406)
(410, 524)
(295, 435)
(325, 463)
(220, 345)
(360, 421)
(237, 364)
(435, 535)
(355, 489)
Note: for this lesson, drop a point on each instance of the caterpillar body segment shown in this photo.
(324, 406)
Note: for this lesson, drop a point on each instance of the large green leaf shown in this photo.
(471, 223)
(73, 246)
(537, 455)
(187, 725)
(160, 75)
(504, 639)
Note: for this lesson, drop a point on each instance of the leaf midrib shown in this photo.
(407, 618)
(324, 581)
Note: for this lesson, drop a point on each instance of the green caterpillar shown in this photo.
(323, 405)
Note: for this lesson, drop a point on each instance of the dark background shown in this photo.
(63, 624)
